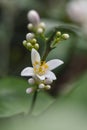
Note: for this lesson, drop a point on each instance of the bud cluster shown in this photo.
(45, 84)
(58, 38)
(35, 24)
(30, 42)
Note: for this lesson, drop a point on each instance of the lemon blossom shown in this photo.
(41, 70)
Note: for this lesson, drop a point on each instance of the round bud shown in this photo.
(41, 86)
(36, 46)
(29, 45)
(33, 17)
(48, 87)
(29, 90)
(65, 36)
(48, 81)
(42, 24)
(24, 42)
(30, 26)
(31, 81)
(39, 30)
(58, 33)
(34, 40)
(29, 36)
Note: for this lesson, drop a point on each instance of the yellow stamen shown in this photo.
(40, 68)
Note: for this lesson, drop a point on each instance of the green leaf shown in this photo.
(43, 103)
(82, 45)
(14, 100)
(78, 93)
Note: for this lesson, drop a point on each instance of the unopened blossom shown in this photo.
(33, 17)
(29, 90)
(41, 70)
(35, 22)
(31, 42)
(29, 36)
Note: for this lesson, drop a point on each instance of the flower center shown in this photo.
(40, 68)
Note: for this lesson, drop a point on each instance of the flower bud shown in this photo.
(48, 81)
(65, 36)
(31, 81)
(29, 45)
(29, 36)
(29, 90)
(39, 30)
(24, 42)
(36, 46)
(33, 17)
(42, 24)
(30, 26)
(41, 86)
(34, 40)
(48, 87)
(58, 33)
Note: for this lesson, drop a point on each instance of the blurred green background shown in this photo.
(64, 107)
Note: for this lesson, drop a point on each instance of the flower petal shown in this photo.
(54, 63)
(28, 71)
(35, 57)
(50, 75)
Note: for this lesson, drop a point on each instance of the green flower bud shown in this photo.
(42, 24)
(36, 46)
(30, 26)
(29, 45)
(48, 87)
(25, 43)
(34, 40)
(40, 30)
(58, 33)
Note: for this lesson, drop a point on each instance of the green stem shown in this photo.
(33, 102)
(46, 54)
(48, 46)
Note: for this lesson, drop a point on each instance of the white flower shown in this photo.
(41, 69)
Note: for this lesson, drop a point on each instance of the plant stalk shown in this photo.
(33, 102)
